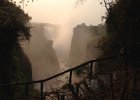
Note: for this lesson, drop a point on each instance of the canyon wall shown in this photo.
(41, 53)
(84, 42)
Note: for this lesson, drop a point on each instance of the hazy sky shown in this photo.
(65, 12)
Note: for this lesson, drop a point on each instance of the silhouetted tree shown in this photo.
(123, 21)
(14, 28)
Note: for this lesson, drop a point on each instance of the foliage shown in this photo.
(14, 20)
(14, 28)
(123, 21)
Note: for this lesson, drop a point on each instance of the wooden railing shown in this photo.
(89, 64)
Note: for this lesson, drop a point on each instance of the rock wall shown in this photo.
(84, 41)
(41, 53)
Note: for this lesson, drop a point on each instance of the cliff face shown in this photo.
(41, 53)
(84, 41)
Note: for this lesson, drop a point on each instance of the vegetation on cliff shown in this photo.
(123, 21)
(14, 64)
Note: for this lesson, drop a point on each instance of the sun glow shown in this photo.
(66, 15)
(64, 11)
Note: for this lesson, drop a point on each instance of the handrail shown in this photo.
(59, 74)
(41, 82)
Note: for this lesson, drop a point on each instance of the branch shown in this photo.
(106, 5)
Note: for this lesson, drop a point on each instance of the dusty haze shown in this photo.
(66, 15)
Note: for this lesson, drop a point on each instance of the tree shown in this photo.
(14, 28)
(123, 21)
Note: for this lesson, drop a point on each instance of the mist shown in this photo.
(66, 14)
(67, 51)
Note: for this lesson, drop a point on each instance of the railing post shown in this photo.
(27, 89)
(62, 96)
(41, 89)
(70, 78)
(90, 71)
(112, 90)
